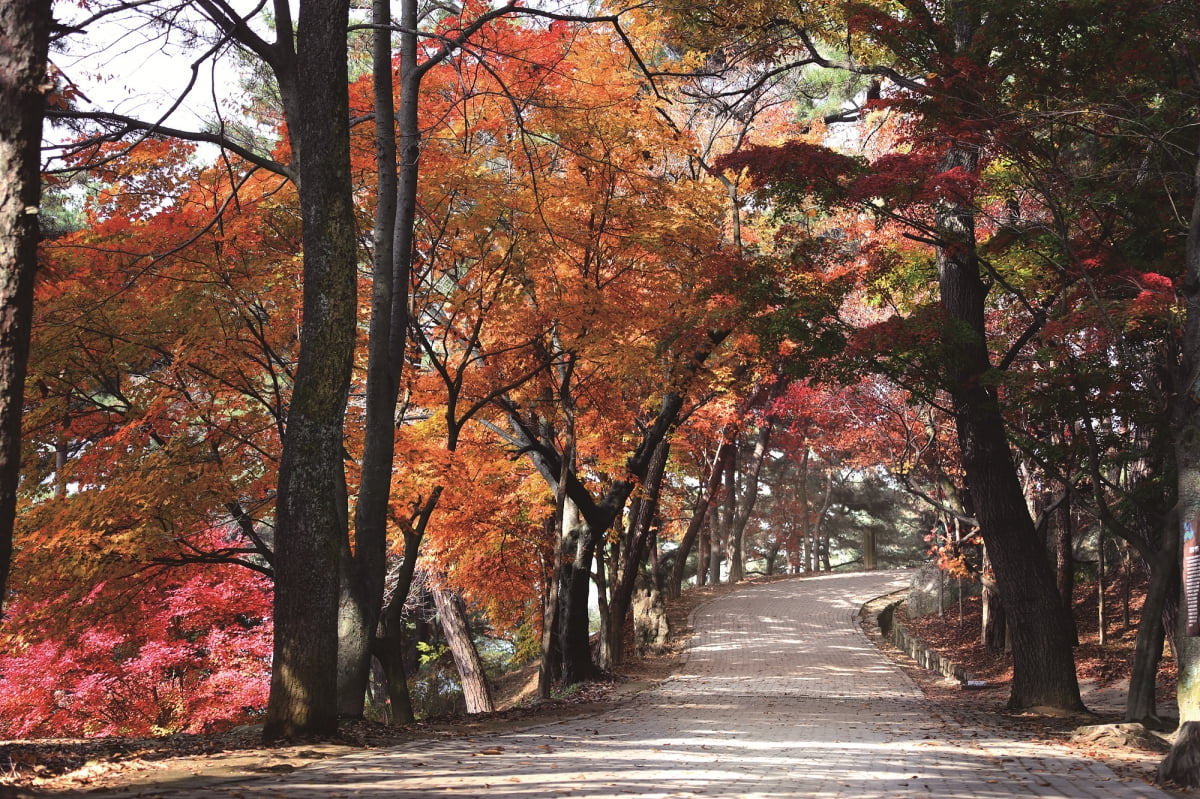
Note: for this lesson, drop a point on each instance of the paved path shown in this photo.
(781, 695)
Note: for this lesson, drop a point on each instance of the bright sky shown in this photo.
(132, 64)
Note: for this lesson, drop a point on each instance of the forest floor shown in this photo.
(60, 767)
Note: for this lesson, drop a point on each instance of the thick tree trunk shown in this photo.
(1043, 664)
(551, 665)
(574, 587)
(870, 559)
(574, 631)
(310, 525)
(471, 674)
(1182, 765)
(24, 37)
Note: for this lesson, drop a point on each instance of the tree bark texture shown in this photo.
(310, 521)
(1065, 562)
(363, 581)
(466, 657)
(1140, 702)
(1043, 664)
(24, 37)
(1182, 764)
(745, 504)
(635, 555)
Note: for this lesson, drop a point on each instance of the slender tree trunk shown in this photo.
(1101, 586)
(1065, 565)
(716, 545)
(606, 656)
(808, 535)
(745, 505)
(310, 525)
(390, 647)
(1126, 585)
(686, 544)
(24, 40)
(1141, 704)
(466, 657)
(696, 527)
(622, 595)
(704, 550)
(819, 523)
(728, 515)
(363, 578)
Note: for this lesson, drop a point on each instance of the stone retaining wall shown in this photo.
(917, 649)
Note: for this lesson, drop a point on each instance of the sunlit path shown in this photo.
(781, 695)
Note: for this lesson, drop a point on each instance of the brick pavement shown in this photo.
(780, 695)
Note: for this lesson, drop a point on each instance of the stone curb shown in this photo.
(919, 650)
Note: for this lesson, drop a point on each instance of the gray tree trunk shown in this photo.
(310, 505)
(466, 657)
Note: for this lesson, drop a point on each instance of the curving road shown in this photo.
(780, 695)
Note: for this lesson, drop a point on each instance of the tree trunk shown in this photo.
(1065, 564)
(686, 544)
(395, 216)
(728, 516)
(631, 564)
(696, 526)
(870, 559)
(1043, 664)
(466, 657)
(808, 534)
(745, 505)
(704, 550)
(1141, 705)
(551, 665)
(310, 525)
(716, 546)
(24, 32)
(1182, 765)
(574, 587)
(391, 646)
(605, 657)
(1101, 615)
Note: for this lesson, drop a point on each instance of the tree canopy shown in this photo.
(520, 311)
